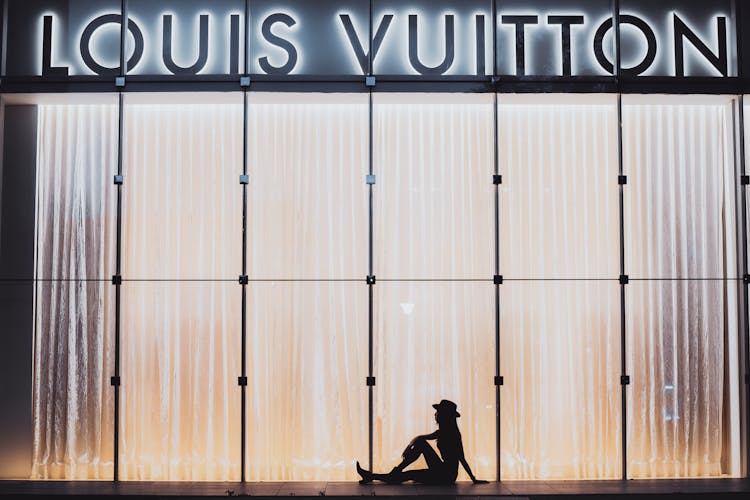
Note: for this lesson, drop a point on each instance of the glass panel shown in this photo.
(73, 413)
(683, 404)
(559, 37)
(559, 205)
(300, 37)
(182, 201)
(307, 366)
(435, 341)
(206, 37)
(71, 25)
(434, 193)
(679, 201)
(308, 201)
(180, 415)
(705, 32)
(560, 357)
(424, 37)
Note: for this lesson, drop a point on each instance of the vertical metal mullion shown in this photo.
(370, 312)
(118, 250)
(744, 340)
(243, 355)
(621, 195)
(496, 159)
(118, 272)
(243, 387)
(370, 267)
(498, 422)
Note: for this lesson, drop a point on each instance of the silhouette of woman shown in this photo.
(439, 471)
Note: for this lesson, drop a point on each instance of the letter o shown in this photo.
(650, 43)
(86, 42)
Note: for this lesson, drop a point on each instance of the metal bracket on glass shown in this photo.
(624, 279)
(497, 179)
(244, 280)
(118, 180)
(499, 381)
(370, 81)
(370, 381)
(625, 380)
(117, 279)
(114, 381)
(371, 280)
(242, 381)
(746, 279)
(745, 179)
(370, 179)
(622, 180)
(494, 80)
(119, 81)
(244, 179)
(245, 81)
(498, 279)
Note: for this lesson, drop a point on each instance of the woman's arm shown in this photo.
(465, 464)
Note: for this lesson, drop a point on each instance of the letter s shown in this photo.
(286, 45)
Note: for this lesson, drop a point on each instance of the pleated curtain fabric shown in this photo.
(560, 318)
(181, 319)
(682, 317)
(74, 301)
(434, 319)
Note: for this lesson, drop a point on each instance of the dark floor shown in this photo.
(591, 490)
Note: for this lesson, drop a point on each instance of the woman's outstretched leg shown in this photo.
(419, 447)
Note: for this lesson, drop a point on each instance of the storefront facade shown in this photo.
(253, 240)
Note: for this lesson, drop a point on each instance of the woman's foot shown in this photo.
(365, 474)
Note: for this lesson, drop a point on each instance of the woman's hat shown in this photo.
(447, 408)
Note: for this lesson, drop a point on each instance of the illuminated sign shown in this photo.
(420, 38)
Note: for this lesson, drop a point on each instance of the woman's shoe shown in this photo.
(366, 475)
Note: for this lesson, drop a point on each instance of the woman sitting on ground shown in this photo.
(439, 471)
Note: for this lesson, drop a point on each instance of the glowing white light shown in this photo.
(407, 308)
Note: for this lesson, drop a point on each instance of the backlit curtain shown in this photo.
(307, 303)
(434, 308)
(74, 312)
(560, 318)
(681, 319)
(434, 299)
(182, 213)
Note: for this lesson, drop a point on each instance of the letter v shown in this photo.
(359, 51)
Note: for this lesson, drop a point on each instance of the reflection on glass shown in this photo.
(683, 417)
(559, 200)
(307, 364)
(180, 414)
(560, 357)
(434, 202)
(434, 342)
(307, 201)
(679, 201)
(182, 202)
